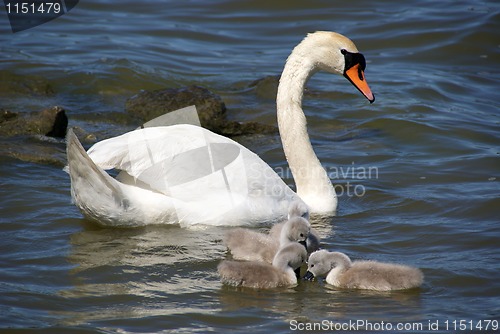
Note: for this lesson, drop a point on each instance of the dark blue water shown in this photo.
(431, 141)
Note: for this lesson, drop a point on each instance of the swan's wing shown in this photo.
(213, 176)
(249, 245)
(108, 202)
(187, 158)
(138, 150)
(170, 155)
(250, 274)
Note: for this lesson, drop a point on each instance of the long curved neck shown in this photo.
(283, 264)
(341, 260)
(342, 264)
(312, 182)
(284, 235)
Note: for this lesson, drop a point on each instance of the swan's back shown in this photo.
(379, 276)
(178, 165)
(252, 274)
(369, 275)
(260, 275)
(248, 245)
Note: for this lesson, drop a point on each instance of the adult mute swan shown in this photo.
(188, 175)
(261, 275)
(369, 275)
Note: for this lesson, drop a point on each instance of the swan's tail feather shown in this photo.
(92, 189)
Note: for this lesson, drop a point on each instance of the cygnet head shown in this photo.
(322, 262)
(292, 255)
(334, 53)
(296, 229)
(298, 209)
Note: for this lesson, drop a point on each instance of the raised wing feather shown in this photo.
(185, 161)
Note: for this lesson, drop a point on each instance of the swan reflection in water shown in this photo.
(139, 272)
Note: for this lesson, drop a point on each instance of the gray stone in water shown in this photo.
(211, 109)
(51, 122)
(151, 104)
(266, 87)
(17, 85)
(25, 136)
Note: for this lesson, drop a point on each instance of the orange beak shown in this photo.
(357, 77)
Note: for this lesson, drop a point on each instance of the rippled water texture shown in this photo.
(431, 141)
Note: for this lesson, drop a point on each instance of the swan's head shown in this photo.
(334, 53)
(297, 229)
(322, 262)
(292, 255)
(298, 209)
(317, 265)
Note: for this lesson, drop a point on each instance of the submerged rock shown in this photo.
(7, 115)
(210, 107)
(14, 84)
(232, 128)
(151, 104)
(266, 87)
(34, 137)
(51, 122)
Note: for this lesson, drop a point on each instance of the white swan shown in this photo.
(369, 275)
(249, 245)
(261, 275)
(188, 175)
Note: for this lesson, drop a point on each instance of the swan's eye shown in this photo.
(302, 235)
(352, 59)
(311, 265)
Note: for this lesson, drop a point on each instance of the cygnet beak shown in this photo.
(309, 276)
(303, 243)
